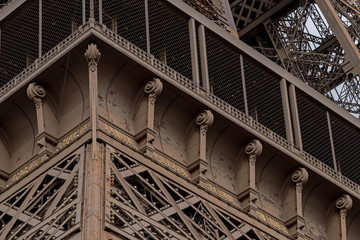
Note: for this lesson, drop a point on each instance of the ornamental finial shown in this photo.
(205, 119)
(92, 56)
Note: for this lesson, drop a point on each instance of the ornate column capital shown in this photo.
(300, 177)
(36, 92)
(153, 88)
(92, 56)
(205, 119)
(253, 149)
(344, 203)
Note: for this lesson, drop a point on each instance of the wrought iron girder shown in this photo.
(169, 210)
(48, 207)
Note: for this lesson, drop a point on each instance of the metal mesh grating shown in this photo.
(224, 71)
(126, 18)
(264, 96)
(60, 19)
(169, 37)
(347, 148)
(314, 129)
(19, 42)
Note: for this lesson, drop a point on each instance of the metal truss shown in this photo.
(246, 11)
(140, 204)
(49, 207)
(300, 40)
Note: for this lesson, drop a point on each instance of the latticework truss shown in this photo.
(299, 38)
(141, 204)
(49, 207)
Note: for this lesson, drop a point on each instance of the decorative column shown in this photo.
(344, 204)
(153, 89)
(197, 151)
(92, 56)
(37, 93)
(293, 204)
(249, 197)
(92, 221)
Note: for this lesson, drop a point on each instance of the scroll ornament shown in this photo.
(253, 149)
(36, 92)
(300, 178)
(205, 119)
(153, 88)
(344, 203)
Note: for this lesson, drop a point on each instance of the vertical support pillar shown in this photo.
(83, 12)
(194, 55)
(93, 194)
(147, 24)
(203, 58)
(244, 85)
(36, 93)
(293, 204)
(153, 89)
(40, 28)
(95, 154)
(248, 195)
(45, 136)
(92, 14)
(295, 117)
(197, 148)
(92, 56)
(286, 110)
(337, 220)
(331, 141)
(100, 13)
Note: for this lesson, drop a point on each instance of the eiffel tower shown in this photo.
(179, 119)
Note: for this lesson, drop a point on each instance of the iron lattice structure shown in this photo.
(141, 204)
(49, 207)
(297, 36)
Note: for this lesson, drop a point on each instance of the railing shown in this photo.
(255, 74)
(229, 109)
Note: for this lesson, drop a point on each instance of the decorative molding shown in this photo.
(300, 178)
(25, 170)
(344, 204)
(66, 141)
(36, 93)
(113, 132)
(271, 222)
(153, 88)
(205, 119)
(214, 190)
(171, 165)
(253, 149)
(92, 56)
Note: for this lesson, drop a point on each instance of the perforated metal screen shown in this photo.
(60, 19)
(264, 96)
(169, 37)
(126, 18)
(19, 42)
(314, 129)
(347, 148)
(224, 71)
